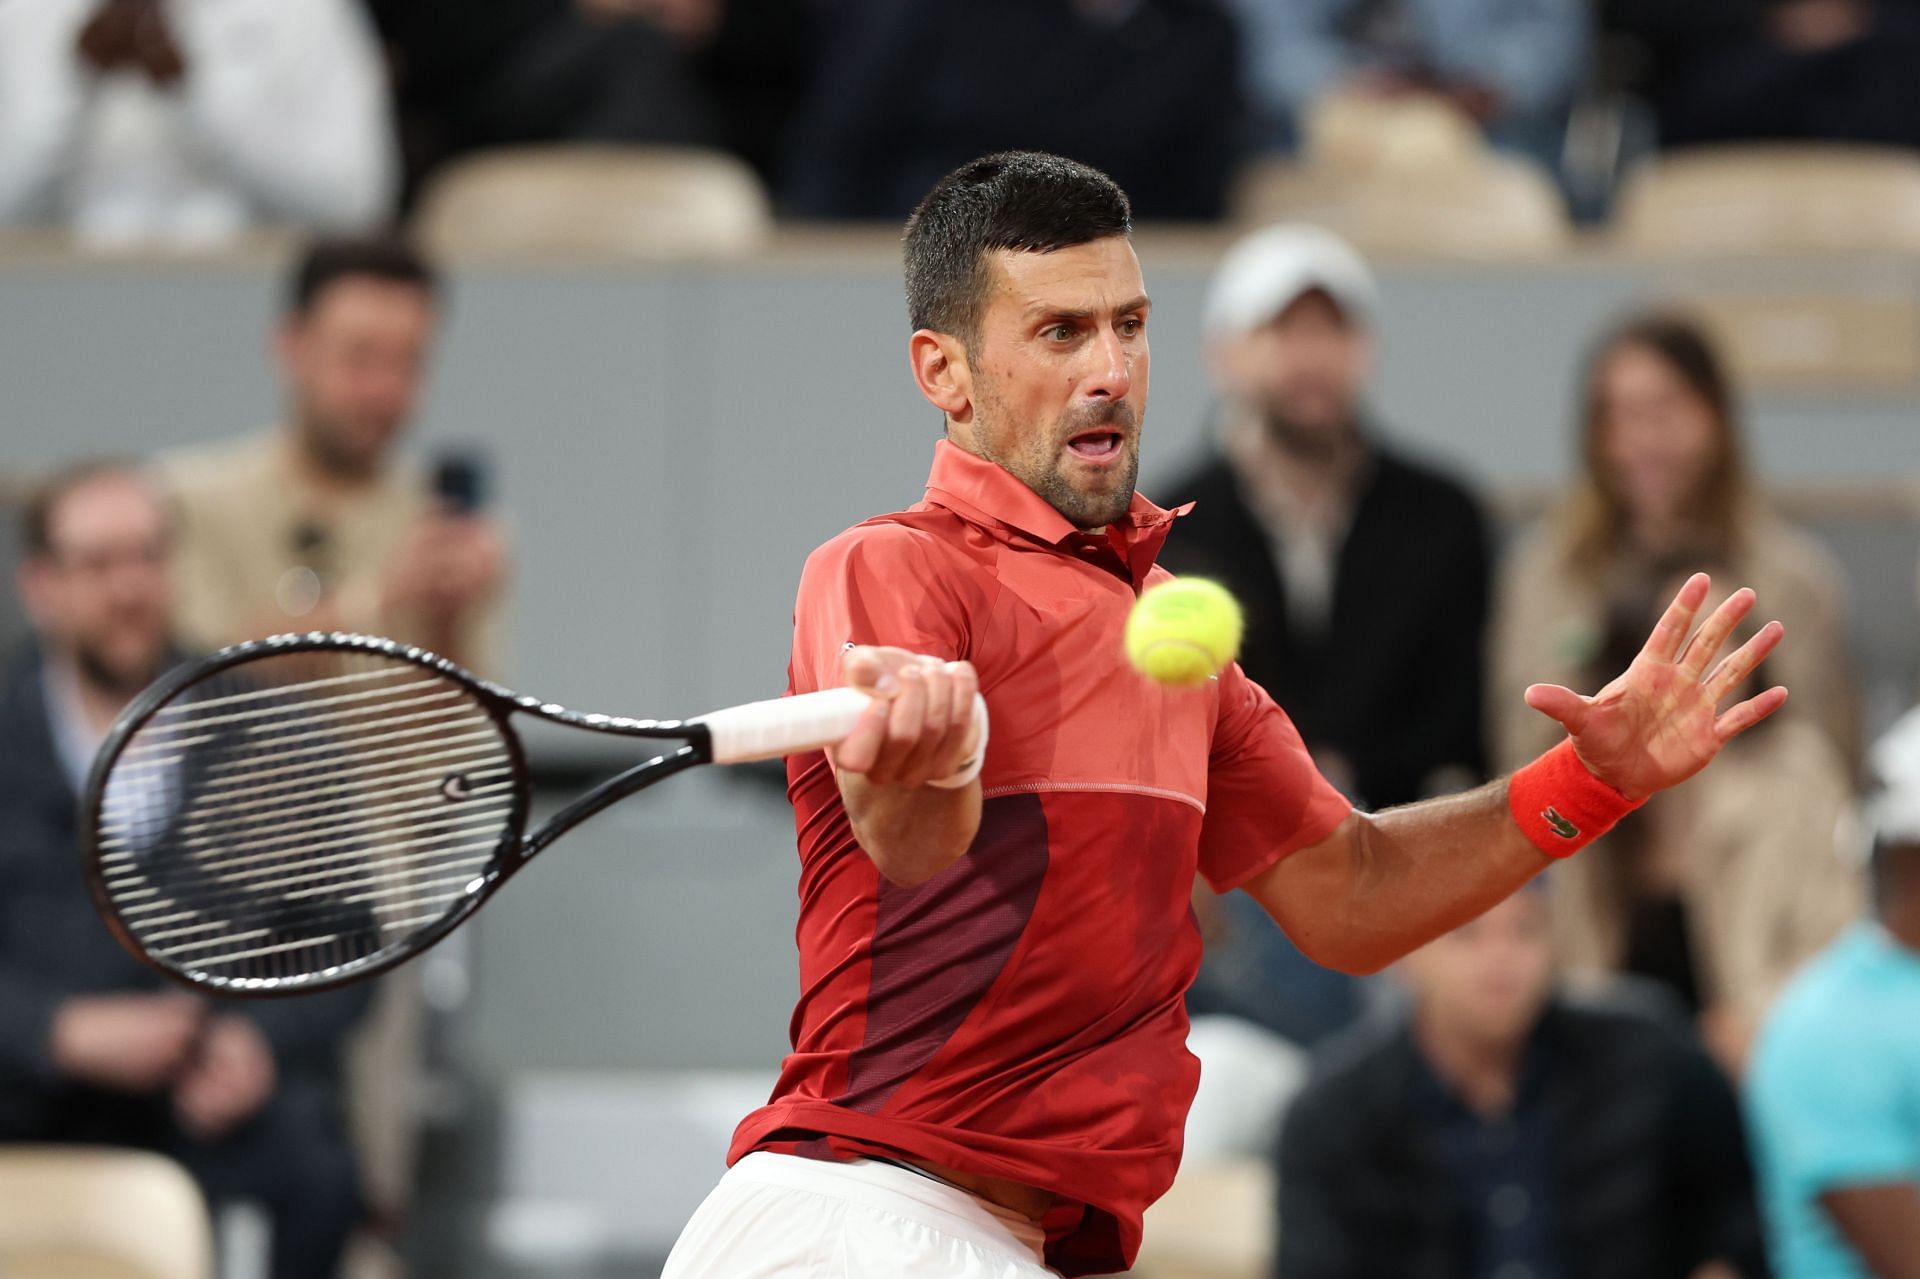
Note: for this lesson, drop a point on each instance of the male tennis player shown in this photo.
(989, 1073)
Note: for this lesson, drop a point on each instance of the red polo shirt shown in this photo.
(1020, 1015)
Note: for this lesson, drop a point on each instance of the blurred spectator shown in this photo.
(1501, 1131)
(1742, 70)
(1722, 888)
(906, 91)
(1665, 490)
(185, 121)
(1511, 65)
(1836, 1074)
(319, 524)
(485, 73)
(94, 1046)
(1363, 574)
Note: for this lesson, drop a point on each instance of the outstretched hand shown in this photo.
(1658, 723)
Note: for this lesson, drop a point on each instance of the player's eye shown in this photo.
(1132, 328)
(1060, 333)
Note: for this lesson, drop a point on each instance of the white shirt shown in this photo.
(282, 117)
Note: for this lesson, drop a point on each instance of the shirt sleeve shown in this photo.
(876, 584)
(1265, 798)
(1826, 1107)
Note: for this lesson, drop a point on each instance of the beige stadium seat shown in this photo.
(1773, 199)
(91, 1213)
(1488, 207)
(564, 201)
(1216, 1223)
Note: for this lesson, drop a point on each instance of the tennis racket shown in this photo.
(301, 812)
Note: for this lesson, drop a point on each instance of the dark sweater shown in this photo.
(1395, 683)
(1649, 1164)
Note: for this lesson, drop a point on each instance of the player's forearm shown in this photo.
(911, 833)
(1387, 883)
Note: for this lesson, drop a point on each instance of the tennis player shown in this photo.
(989, 1073)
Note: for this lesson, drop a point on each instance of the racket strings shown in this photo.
(300, 812)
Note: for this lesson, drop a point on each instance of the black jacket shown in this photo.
(53, 945)
(1650, 1165)
(1395, 685)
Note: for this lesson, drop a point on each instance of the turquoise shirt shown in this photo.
(1833, 1096)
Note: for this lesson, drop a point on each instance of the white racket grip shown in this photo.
(785, 726)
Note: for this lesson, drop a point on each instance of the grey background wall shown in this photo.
(670, 442)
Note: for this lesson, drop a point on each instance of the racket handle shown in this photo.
(784, 725)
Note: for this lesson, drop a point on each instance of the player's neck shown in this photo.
(1484, 1073)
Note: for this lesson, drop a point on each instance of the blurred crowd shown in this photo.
(184, 121)
(1693, 1050)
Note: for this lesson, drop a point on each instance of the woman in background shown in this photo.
(1722, 887)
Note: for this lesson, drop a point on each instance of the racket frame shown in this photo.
(515, 849)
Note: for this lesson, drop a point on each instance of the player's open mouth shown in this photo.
(1096, 446)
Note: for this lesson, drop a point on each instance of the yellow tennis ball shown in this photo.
(1183, 631)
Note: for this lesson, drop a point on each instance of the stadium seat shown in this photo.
(633, 202)
(1216, 1223)
(1486, 207)
(91, 1213)
(1742, 200)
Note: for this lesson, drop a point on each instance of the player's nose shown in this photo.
(1111, 374)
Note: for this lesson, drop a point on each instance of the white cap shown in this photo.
(1268, 271)
(1893, 813)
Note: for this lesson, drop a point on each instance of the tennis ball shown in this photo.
(1183, 631)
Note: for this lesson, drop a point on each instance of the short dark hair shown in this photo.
(382, 257)
(36, 517)
(1026, 201)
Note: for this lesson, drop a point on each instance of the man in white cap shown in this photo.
(1834, 1092)
(1364, 574)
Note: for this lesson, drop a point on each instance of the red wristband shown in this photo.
(1560, 806)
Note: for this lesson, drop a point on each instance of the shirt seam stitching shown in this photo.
(1128, 788)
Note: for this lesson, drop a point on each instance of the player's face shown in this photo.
(1488, 980)
(102, 592)
(1658, 436)
(354, 363)
(1059, 375)
(1301, 372)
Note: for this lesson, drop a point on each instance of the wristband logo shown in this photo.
(1561, 826)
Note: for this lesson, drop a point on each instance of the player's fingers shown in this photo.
(859, 749)
(1712, 635)
(928, 759)
(1748, 713)
(1743, 661)
(868, 669)
(1671, 631)
(905, 715)
(1561, 704)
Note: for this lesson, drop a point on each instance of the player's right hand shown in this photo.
(126, 1043)
(920, 727)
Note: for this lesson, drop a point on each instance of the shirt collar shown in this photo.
(986, 493)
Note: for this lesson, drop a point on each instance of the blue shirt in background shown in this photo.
(1833, 1096)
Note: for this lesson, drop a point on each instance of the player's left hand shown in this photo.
(1658, 723)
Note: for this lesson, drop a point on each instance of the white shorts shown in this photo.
(782, 1215)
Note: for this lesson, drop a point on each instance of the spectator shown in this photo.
(1511, 65)
(94, 1047)
(1665, 490)
(906, 91)
(1502, 1130)
(1800, 70)
(1720, 888)
(320, 525)
(1364, 573)
(1364, 578)
(489, 73)
(1837, 1070)
(186, 121)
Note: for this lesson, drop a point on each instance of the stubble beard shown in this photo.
(1039, 468)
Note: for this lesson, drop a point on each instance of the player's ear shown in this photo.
(941, 371)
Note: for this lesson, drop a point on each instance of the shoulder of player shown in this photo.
(916, 541)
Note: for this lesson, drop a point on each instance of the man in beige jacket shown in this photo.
(318, 525)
